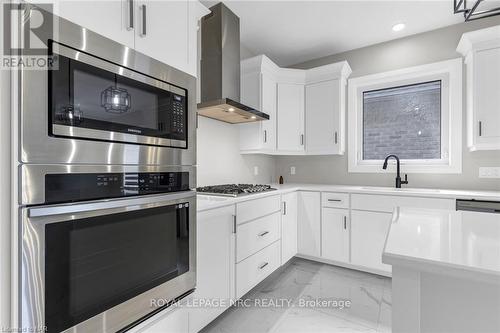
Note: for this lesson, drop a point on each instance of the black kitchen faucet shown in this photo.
(398, 175)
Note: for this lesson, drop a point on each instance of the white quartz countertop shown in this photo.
(469, 242)
(209, 202)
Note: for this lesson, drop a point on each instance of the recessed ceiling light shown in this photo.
(253, 117)
(398, 27)
(230, 109)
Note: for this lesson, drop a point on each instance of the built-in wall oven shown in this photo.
(107, 206)
(101, 245)
(104, 103)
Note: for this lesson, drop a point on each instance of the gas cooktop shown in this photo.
(234, 190)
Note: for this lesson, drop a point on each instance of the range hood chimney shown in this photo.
(220, 69)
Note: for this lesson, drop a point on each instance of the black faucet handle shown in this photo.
(406, 180)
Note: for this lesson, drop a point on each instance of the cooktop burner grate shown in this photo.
(234, 190)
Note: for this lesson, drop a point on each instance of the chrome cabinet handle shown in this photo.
(480, 128)
(144, 23)
(262, 234)
(335, 200)
(234, 224)
(336, 137)
(263, 265)
(302, 139)
(284, 207)
(130, 18)
(265, 136)
(345, 222)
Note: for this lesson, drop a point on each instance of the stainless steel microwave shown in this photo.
(104, 103)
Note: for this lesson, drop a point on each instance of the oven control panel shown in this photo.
(91, 186)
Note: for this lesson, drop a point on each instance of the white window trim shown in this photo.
(450, 74)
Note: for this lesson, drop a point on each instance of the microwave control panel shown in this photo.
(91, 186)
(178, 114)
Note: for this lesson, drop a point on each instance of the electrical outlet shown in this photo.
(292, 170)
(256, 170)
(489, 172)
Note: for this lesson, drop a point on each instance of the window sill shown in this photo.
(406, 168)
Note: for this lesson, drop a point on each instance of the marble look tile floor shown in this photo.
(301, 283)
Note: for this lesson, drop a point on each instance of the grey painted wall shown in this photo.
(414, 50)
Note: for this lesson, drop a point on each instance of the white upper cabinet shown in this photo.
(167, 31)
(291, 137)
(112, 19)
(306, 108)
(258, 90)
(481, 50)
(159, 31)
(325, 109)
(162, 29)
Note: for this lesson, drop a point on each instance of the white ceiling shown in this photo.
(290, 32)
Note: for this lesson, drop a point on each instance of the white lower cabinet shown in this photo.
(288, 226)
(368, 234)
(309, 223)
(335, 234)
(239, 246)
(215, 263)
(256, 268)
(253, 236)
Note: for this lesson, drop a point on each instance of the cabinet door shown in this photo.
(487, 96)
(268, 87)
(323, 118)
(309, 223)
(108, 18)
(289, 227)
(368, 233)
(290, 117)
(162, 31)
(335, 234)
(258, 90)
(215, 263)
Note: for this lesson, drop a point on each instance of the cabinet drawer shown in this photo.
(256, 235)
(256, 268)
(335, 200)
(250, 210)
(387, 203)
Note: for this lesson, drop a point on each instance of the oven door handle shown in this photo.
(108, 206)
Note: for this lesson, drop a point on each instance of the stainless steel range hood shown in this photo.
(220, 69)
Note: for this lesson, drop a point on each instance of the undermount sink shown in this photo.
(426, 190)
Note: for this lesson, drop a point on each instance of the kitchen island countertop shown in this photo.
(461, 242)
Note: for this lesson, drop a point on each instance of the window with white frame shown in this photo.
(414, 113)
